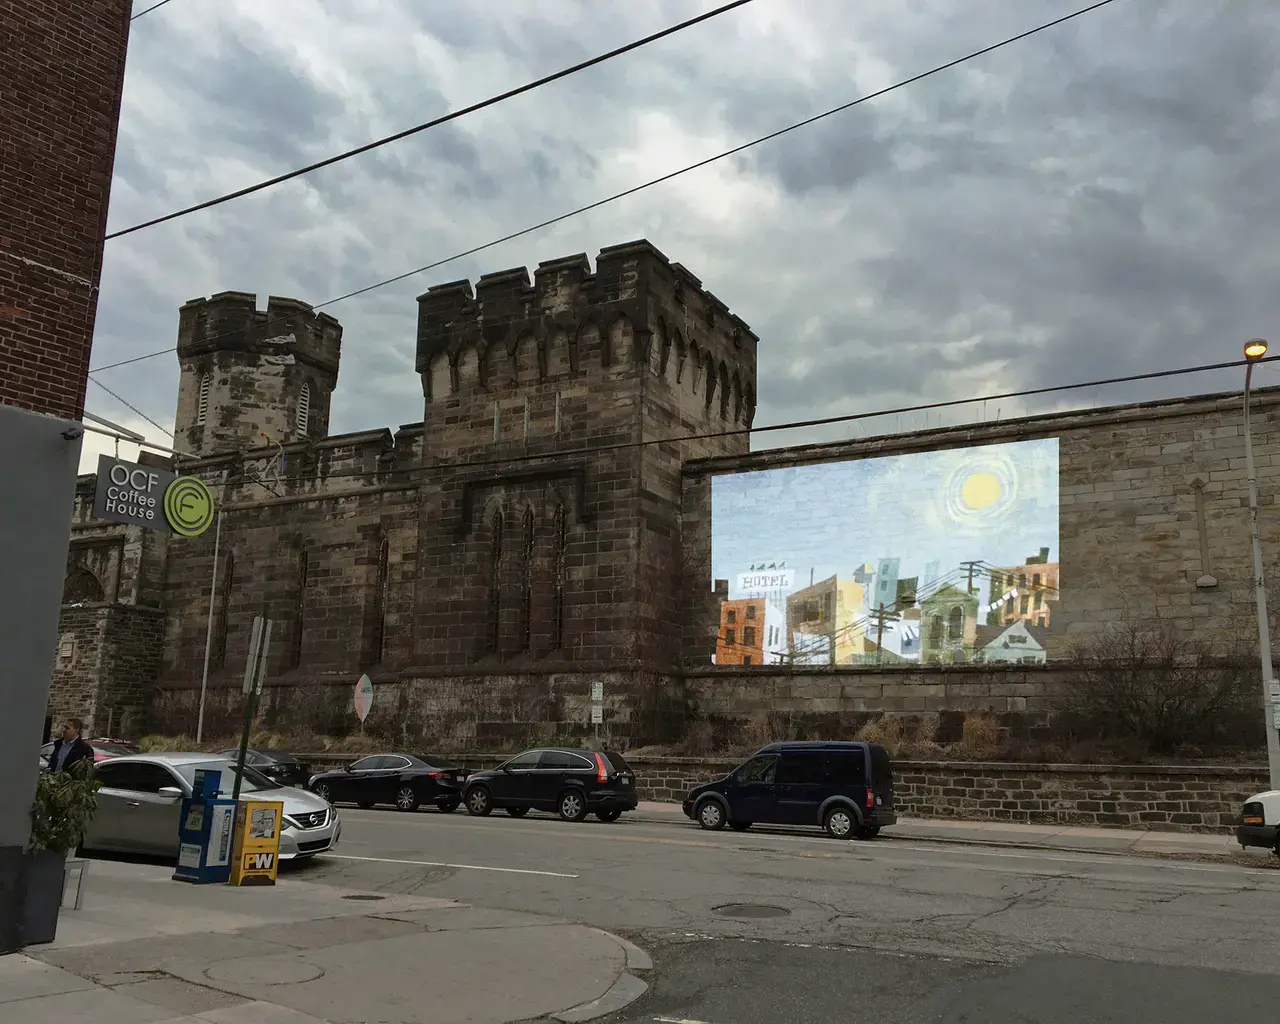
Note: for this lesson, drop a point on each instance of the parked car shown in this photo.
(846, 788)
(570, 782)
(102, 750)
(278, 765)
(404, 780)
(140, 802)
(1260, 822)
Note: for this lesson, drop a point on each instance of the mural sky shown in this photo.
(997, 503)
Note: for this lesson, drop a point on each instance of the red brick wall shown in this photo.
(61, 78)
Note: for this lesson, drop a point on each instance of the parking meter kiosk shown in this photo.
(205, 832)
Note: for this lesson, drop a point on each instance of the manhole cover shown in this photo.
(264, 972)
(751, 911)
(364, 896)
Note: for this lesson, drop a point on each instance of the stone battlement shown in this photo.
(231, 322)
(636, 301)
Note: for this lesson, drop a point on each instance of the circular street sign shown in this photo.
(188, 506)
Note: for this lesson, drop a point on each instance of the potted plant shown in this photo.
(64, 805)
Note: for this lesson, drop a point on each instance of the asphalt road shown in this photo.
(767, 928)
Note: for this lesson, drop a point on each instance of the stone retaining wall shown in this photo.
(1169, 798)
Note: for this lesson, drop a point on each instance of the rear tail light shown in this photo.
(871, 797)
(602, 769)
(437, 775)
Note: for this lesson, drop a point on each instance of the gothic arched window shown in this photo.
(202, 402)
(526, 581)
(559, 578)
(304, 408)
(495, 583)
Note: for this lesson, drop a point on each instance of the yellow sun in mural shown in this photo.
(980, 491)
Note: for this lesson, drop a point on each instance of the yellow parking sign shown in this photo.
(255, 854)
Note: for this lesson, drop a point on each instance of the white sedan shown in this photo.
(140, 802)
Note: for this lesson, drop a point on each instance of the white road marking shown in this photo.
(678, 1020)
(441, 864)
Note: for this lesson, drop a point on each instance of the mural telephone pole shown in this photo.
(881, 616)
(971, 567)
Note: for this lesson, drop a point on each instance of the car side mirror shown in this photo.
(347, 767)
(506, 769)
(173, 792)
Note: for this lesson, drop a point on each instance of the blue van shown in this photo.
(846, 788)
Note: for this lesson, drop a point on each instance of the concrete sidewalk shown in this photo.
(1002, 833)
(147, 950)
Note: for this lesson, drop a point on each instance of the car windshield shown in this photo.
(252, 781)
(115, 749)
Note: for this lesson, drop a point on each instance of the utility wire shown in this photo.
(147, 11)
(129, 405)
(436, 122)
(563, 453)
(649, 184)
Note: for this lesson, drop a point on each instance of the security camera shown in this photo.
(73, 433)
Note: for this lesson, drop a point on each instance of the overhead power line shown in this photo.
(147, 10)
(130, 406)
(434, 123)
(614, 446)
(649, 184)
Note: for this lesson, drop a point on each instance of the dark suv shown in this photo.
(847, 788)
(570, 782)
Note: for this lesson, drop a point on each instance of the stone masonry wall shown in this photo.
(1153, 516)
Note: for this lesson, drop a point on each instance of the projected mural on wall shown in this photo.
(933, 557)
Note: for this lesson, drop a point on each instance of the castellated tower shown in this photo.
(551, 530)
(248, 372)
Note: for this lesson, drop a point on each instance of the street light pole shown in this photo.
(1253, 351)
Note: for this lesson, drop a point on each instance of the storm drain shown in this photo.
(364, 896)
(751, 911)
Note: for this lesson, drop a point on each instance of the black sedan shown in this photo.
(570, 782)
(277, 765)
(403, 780)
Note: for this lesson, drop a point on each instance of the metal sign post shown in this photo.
(597, 708)
(254, 671)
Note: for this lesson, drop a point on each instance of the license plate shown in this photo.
(1253, 820)
(626, 782)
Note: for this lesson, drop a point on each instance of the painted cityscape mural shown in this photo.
(936, 557)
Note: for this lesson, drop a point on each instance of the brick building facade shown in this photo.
(547, 526)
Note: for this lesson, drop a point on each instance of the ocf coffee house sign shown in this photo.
(152, 498)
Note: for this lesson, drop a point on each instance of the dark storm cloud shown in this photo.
(1093, 201)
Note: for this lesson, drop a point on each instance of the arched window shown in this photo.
(495, 583)
(219, 653)
(202, 403)
(81, 587)
(561, 537)
(526, 581)
(955, 623)
(304, 407)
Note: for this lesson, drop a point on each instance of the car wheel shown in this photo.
(710, 815)
(572, 805)
(406, 799)
(868, 831)
(739, 826)
(607, 816)
(479, 803)
(839, 823)
(517, 812)
(322, 791)
(448, 806)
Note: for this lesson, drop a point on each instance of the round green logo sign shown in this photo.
(188, 506)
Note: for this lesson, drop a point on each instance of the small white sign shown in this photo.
(597, 691)
(597, 714)
(189, 855)
(220, 829)
(364, 697)
(763, 582)
(1273, 688)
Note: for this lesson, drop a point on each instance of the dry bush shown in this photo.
(1162, 688)
(888, 730)
(981, 737)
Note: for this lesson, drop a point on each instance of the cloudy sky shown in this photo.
(1095, 201)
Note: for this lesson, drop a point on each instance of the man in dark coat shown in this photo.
(70, 748)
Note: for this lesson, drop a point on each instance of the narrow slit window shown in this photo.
(304, 408)
(219, 652)
(202, 402)
(526, 582)
(495, 583)
(300, 609)
(559, 579)
(381, 585)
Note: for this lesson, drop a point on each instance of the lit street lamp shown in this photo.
(1253, 351)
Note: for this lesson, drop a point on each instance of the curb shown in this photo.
(621, 994)
(1119, 849)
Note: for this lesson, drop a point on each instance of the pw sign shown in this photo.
(152, 498)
